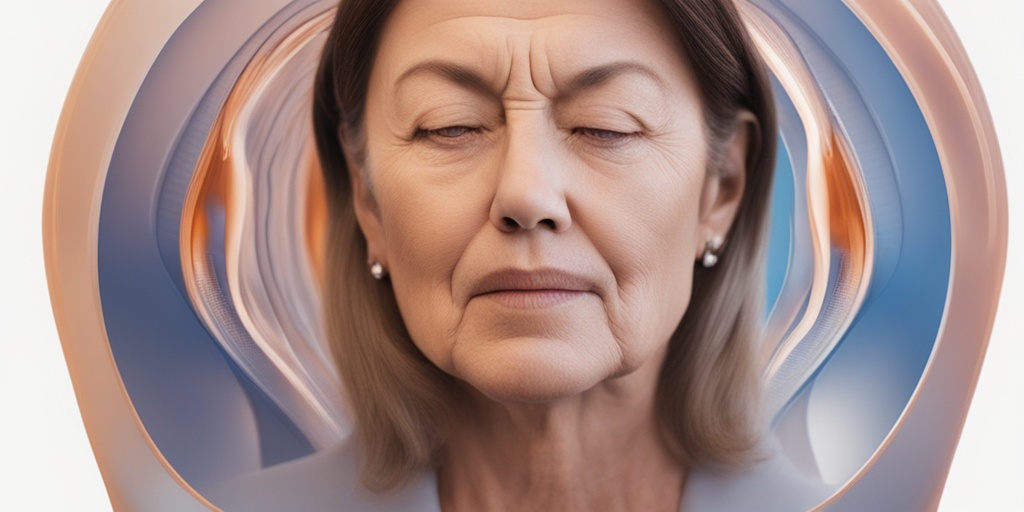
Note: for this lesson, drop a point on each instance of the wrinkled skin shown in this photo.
(536, 183)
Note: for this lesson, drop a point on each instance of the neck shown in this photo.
(600, 450)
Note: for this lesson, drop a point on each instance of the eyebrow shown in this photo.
(455, 73)
(604, 73)
(589, 78)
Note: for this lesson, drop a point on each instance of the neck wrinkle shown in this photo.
(598, 451)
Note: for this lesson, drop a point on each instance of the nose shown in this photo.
(531, 182)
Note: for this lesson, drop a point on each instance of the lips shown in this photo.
(521, 288)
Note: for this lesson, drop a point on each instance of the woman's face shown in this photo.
(536, 184)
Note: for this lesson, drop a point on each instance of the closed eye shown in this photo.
(603, 136)
(447, 134)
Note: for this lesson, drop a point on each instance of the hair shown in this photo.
(708, 394)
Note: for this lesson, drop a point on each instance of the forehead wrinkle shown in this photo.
(519, 23)
(521, 90)
(541, 74)
(527, 37)
(517, 29)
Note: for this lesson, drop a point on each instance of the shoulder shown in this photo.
(327, 480)
(773, 484)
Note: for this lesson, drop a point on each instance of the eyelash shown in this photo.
(604, 136)
(599, 136)
(437, 134)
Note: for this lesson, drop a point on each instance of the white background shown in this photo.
(45, 459)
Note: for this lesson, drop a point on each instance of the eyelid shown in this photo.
(461, 129)
(435, 136)
(605, 136)
(598, 132)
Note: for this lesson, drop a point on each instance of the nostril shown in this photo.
(512, 224)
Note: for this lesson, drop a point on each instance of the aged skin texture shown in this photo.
(536, 183)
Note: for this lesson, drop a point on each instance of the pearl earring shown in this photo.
(377, 271)
(711, 248)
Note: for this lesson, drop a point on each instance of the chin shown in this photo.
(535, 370)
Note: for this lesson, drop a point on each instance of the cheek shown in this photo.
(428, 225)
(646, 229)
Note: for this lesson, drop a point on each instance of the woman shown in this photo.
(544, 267)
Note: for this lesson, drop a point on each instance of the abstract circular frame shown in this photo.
(184, 217)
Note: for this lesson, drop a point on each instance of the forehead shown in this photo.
(554, 39)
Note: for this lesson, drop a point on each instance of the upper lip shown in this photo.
(515, 279)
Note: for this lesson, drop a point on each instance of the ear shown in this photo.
(365, 205)
(723, 186)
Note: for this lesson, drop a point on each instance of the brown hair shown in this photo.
(708, 392)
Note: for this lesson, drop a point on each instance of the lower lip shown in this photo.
(532, 299)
